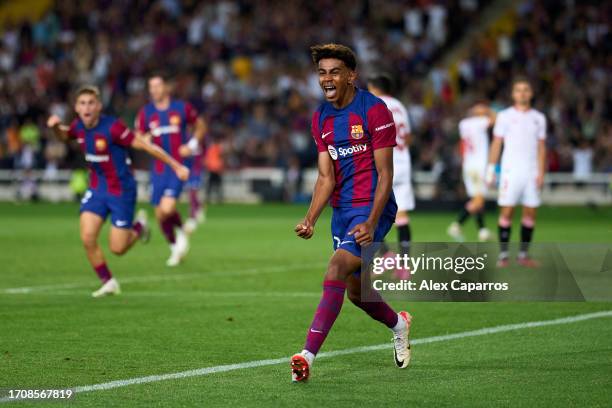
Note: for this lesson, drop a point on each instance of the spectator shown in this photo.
(246, 66)
(215, 166)
(245, 61)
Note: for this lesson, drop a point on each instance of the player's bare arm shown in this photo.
(199, 131)
(144, 136)
(200, 128)
(59, 130)
(322, 192)
(142, 143)
(494, 153)
(492, 115)
(541, 163)
(383, 159)
(408, 139)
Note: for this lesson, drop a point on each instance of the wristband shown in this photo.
(194, 145)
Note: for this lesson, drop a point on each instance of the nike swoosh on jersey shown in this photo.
(316, 331)
(324, 135)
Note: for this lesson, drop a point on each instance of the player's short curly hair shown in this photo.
(88, 90)
(337, 51)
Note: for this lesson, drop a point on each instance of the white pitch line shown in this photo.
(170, 276)
(262, 363)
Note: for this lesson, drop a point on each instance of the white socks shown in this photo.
(308, 356)
(400, 325)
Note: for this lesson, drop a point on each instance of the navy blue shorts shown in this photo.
(196, 172)
(121, 207)
(345, 219)
(195, 179)
(165, 185)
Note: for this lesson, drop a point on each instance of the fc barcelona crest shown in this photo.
(356, 131)
(100, 144)
(175, 120)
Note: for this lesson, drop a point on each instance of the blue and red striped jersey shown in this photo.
(350, 135)
(168, 128)
(105, 148)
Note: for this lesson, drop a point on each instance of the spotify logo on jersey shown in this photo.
(332, 152)
(343, 152)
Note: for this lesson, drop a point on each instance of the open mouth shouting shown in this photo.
(330, 91)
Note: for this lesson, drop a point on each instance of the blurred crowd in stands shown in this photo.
(564, 48)
(246, 67)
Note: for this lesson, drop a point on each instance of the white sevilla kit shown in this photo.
(475, 152)
(402, 183)
(521, 132)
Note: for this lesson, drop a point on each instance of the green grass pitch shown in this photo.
(247, 292)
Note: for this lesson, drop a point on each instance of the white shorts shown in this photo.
(402, 189)
(518, 188)
(474, 180)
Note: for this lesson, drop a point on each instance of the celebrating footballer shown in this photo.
(355, 135)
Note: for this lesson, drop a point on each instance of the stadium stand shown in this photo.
(246, 66)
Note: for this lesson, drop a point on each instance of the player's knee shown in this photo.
(167, 205)
(335, 271)
(402, 219)
(528, 221)
(117, 249)
(89, 241)
(470, 206)
(504, 221)
(165, 212)
(475, 204)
